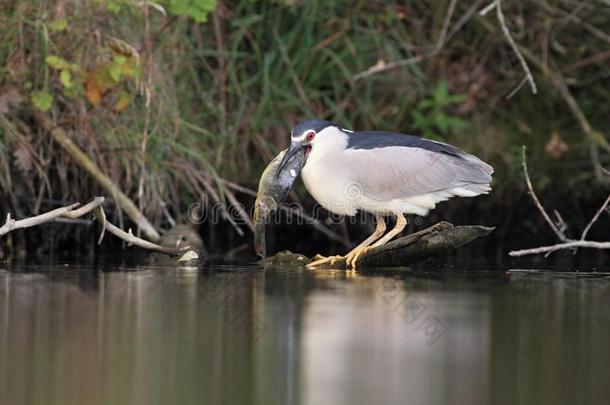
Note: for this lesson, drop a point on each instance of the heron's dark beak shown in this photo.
(294, 148)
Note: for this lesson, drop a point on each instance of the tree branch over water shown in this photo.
(71, 211)
(566, 243)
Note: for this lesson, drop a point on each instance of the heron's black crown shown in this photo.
(310, 125)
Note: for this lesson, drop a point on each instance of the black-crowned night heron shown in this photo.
(382, 173)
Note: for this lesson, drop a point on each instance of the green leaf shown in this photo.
(426, 103)
(456, 123)
(58, 25)
(57, 62)
(120, 59)
(456, 98)
(66, 78)
(131, 68)
(440, 120)
(419, 120)
(441, 92)
(42, 100)
(198, 10)
(115, 72)
(114, 6)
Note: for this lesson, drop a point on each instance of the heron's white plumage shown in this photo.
(389, 179)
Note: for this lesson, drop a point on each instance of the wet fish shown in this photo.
(272, 190)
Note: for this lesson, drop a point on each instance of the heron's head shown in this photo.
(304, 136)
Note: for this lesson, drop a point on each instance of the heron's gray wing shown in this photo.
(392, 172)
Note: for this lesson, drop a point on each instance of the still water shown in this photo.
(231, 335)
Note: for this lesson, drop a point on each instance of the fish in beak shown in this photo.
(275, 183)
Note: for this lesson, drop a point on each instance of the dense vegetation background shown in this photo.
(178, 99)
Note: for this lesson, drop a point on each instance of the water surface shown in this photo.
(234, 335)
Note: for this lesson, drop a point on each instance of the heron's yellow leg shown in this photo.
(379, 230)
(401, 222)
(352, 256)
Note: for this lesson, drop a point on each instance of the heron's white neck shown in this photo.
(328, 141)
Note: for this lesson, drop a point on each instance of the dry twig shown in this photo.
(530, 189)
(497, 4)
(566, 243)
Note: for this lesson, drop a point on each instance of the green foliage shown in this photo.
(66, 78)
(59, 63)
(42, 100)
(58, 25)
(219, 103)
(198, 10)
(430, 116)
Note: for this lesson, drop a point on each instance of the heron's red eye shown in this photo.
(310, 136)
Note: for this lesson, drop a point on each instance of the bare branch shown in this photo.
(561, 223)
(488, 8)
(500, 16)
(131, 239)
(101, 216)
(595, 217)
(530, 189)
(94, 206)
(559, 231)
(443, 35)
(96, 202)
(68, 212)
(558, 81)
(571, 244)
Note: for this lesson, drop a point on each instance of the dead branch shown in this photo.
(12, 224)
(558, 81)
(72, 212)
(571, 244)
(497, 4)
(566, 243)
(595, 217)
(530, 189)
(62, 138)
(596, 138)
(434, 241)
(131, 239)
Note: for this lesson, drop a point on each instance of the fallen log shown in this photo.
(434, 241)
(439, 239)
